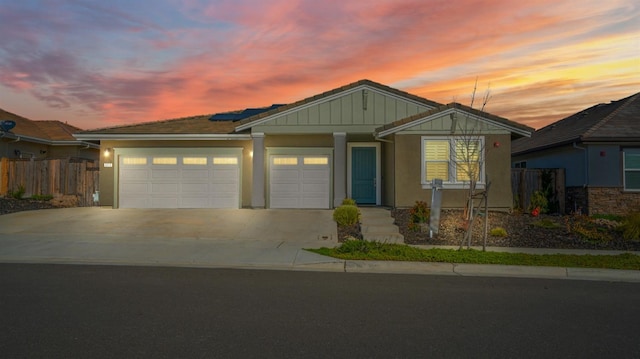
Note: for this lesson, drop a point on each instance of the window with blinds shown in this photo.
(455, 160)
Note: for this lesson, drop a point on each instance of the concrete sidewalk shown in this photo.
(260, 239)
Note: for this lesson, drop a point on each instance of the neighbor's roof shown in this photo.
(248, 122)
(44, 130)
(617, 121)
(514, 127)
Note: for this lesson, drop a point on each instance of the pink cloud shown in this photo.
(227, 55)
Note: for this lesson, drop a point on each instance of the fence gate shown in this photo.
(526, 181)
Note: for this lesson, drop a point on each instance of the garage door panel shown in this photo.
(161, 188)
(224, 175)
(314, 188)
(135, 174)
(224, 189)
(132, 188)
(285, 189)
(164, 174)
(194, 188)
(194, 202)
(164, 202)
(135, 202)
(195, 174)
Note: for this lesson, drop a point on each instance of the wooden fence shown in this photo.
(76, 177)
(526, 181)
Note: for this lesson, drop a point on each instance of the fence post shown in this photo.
(4, 176)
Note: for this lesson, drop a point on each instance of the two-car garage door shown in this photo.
(179, 180)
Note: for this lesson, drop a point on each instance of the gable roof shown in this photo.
(39, 131)
(192, 128)
(617, 121)
(514, 127)
(327, 96)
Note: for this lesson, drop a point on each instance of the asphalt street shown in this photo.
(83, 311)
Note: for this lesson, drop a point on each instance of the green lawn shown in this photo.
(364, 250)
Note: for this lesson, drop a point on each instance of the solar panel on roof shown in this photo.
(237, 116)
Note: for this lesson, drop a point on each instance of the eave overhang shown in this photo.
(152, 137)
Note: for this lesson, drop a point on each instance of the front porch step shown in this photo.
(377, 225)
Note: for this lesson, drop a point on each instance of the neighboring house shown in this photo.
(43, 139)
(599, 148)
(365, 141)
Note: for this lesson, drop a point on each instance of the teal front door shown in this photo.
(363, 175)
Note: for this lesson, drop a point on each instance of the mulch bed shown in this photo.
(11, 205)
(520, 228)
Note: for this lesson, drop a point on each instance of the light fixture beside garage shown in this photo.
(107, 152)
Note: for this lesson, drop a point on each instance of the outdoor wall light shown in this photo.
(107, 152)
(496, 144)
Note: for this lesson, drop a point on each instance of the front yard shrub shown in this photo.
(545, 223)
(588, 229)
(538, 202)
(18, 193)
(420, 214)
(498, 232)
(631, 227)
(346, 215)
(349, 201)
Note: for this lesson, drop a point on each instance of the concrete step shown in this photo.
(377, 225)
(383, 237)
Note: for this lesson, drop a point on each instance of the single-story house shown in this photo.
(29, 139)
(599, 148)
(366, 141)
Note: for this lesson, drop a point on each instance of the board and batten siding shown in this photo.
(463, 127)
(346, 113)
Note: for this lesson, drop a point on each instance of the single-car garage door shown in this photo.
(298, 181)
(179, 181)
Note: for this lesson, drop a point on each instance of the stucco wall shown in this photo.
(408, 188)
(299, 141)
(388, 178)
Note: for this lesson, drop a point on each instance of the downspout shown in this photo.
(586, 163)
(586, 174)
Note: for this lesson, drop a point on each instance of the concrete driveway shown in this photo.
(207, 237)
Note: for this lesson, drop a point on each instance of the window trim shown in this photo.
(630, 151)
(448, 183)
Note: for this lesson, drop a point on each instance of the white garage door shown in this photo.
(180, 181)
(299, 181)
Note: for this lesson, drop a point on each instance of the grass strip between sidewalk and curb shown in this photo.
(365, 250)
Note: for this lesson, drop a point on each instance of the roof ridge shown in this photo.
(602, 122)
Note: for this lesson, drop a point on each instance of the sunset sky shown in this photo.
(97, 64)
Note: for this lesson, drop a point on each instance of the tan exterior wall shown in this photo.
(388, 178)
(408, 188)
(298, 141)
(107, 175)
